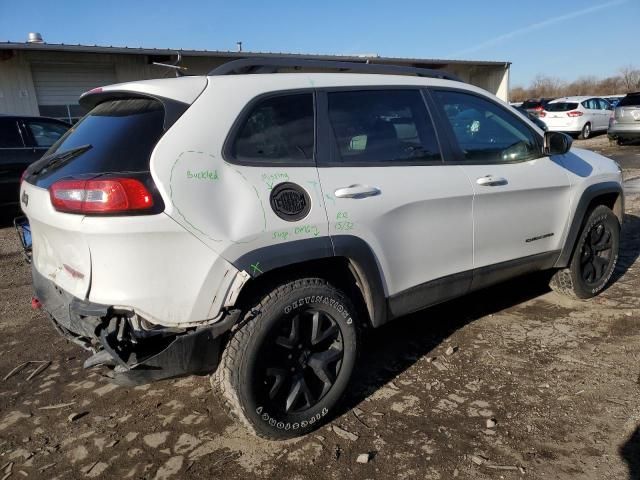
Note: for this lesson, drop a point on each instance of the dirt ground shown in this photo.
(512, 382)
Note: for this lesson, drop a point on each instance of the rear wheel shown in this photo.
(286, 367)
(594, 257)
(586, 131)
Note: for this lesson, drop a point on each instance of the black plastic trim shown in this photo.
(587, 196)
(360, 254)
(429, 293)
(354, 249)
(264, 259)
(254, 65)
(491, 274)
(459, 284)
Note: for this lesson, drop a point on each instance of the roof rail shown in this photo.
(271, 65)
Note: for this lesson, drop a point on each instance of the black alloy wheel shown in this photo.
(302, 359)
(596, 257)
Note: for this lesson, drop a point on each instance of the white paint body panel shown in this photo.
(534, 202)
(58, 240)
(410, 225)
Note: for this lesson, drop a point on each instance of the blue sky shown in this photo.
(563, 38)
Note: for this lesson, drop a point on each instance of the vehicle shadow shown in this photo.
(629, 246)
(630, 453)
(7, 216)
(390, 350)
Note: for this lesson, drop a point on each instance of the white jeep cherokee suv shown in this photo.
(250, 223)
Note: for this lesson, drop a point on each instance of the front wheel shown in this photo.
(594, 257)
(288, 364)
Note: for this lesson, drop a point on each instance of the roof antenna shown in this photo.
(179, 69)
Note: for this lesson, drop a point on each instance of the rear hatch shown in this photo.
(560, 114)
(114, 140)
(628, 110)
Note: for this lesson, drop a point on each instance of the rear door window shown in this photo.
(382, 126)
(604, 105)
(278, 129)
(121, 135)
(10, 134)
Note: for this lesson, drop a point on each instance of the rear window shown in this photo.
(631, 100)
(531, 104)
(122, 134)
(561, 107)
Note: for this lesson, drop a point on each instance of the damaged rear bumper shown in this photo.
(119, 339)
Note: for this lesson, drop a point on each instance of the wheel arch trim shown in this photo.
(362, 263)
(588, 196)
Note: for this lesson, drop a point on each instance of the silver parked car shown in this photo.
(624, 124)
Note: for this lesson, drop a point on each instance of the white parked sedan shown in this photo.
(577, 115)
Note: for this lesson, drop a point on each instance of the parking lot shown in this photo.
(510, 382)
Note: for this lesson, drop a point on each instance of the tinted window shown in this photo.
(382, 126)
(631, 100)
(561, 107)
(531, 104)
(277, 129)
(590, 104)
(604, 105)
(122, 135)
(486, 132)
(9, 134)
(46, 134)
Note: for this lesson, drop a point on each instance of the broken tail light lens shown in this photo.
(109, 196)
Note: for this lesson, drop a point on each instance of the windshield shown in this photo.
(122, 134)
(561, 107)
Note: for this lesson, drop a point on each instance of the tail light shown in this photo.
(113, 195)
(539, 108)
(575, 113)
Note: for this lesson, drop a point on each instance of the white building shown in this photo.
(47, 79)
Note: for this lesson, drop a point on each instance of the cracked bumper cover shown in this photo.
(137, 356)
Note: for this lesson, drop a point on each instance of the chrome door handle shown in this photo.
(491, 181)
(357, 191)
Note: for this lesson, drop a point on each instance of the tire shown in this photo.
(287, 365)
(585, 132)
(594, 257)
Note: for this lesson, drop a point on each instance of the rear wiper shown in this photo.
(59, 158)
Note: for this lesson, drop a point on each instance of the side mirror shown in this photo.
(556, 143)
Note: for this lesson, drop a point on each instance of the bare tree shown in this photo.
(628, 80)
(630, 77)
(544, 86)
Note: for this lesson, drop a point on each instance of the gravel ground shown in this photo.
(511, 382)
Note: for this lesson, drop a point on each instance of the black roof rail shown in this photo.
(271, 65)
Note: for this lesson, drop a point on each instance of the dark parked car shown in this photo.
(535, 105)
(534, 118)
(23, 140)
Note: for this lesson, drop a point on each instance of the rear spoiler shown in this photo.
(173, 109)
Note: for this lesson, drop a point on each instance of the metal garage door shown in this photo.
(59, 85)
